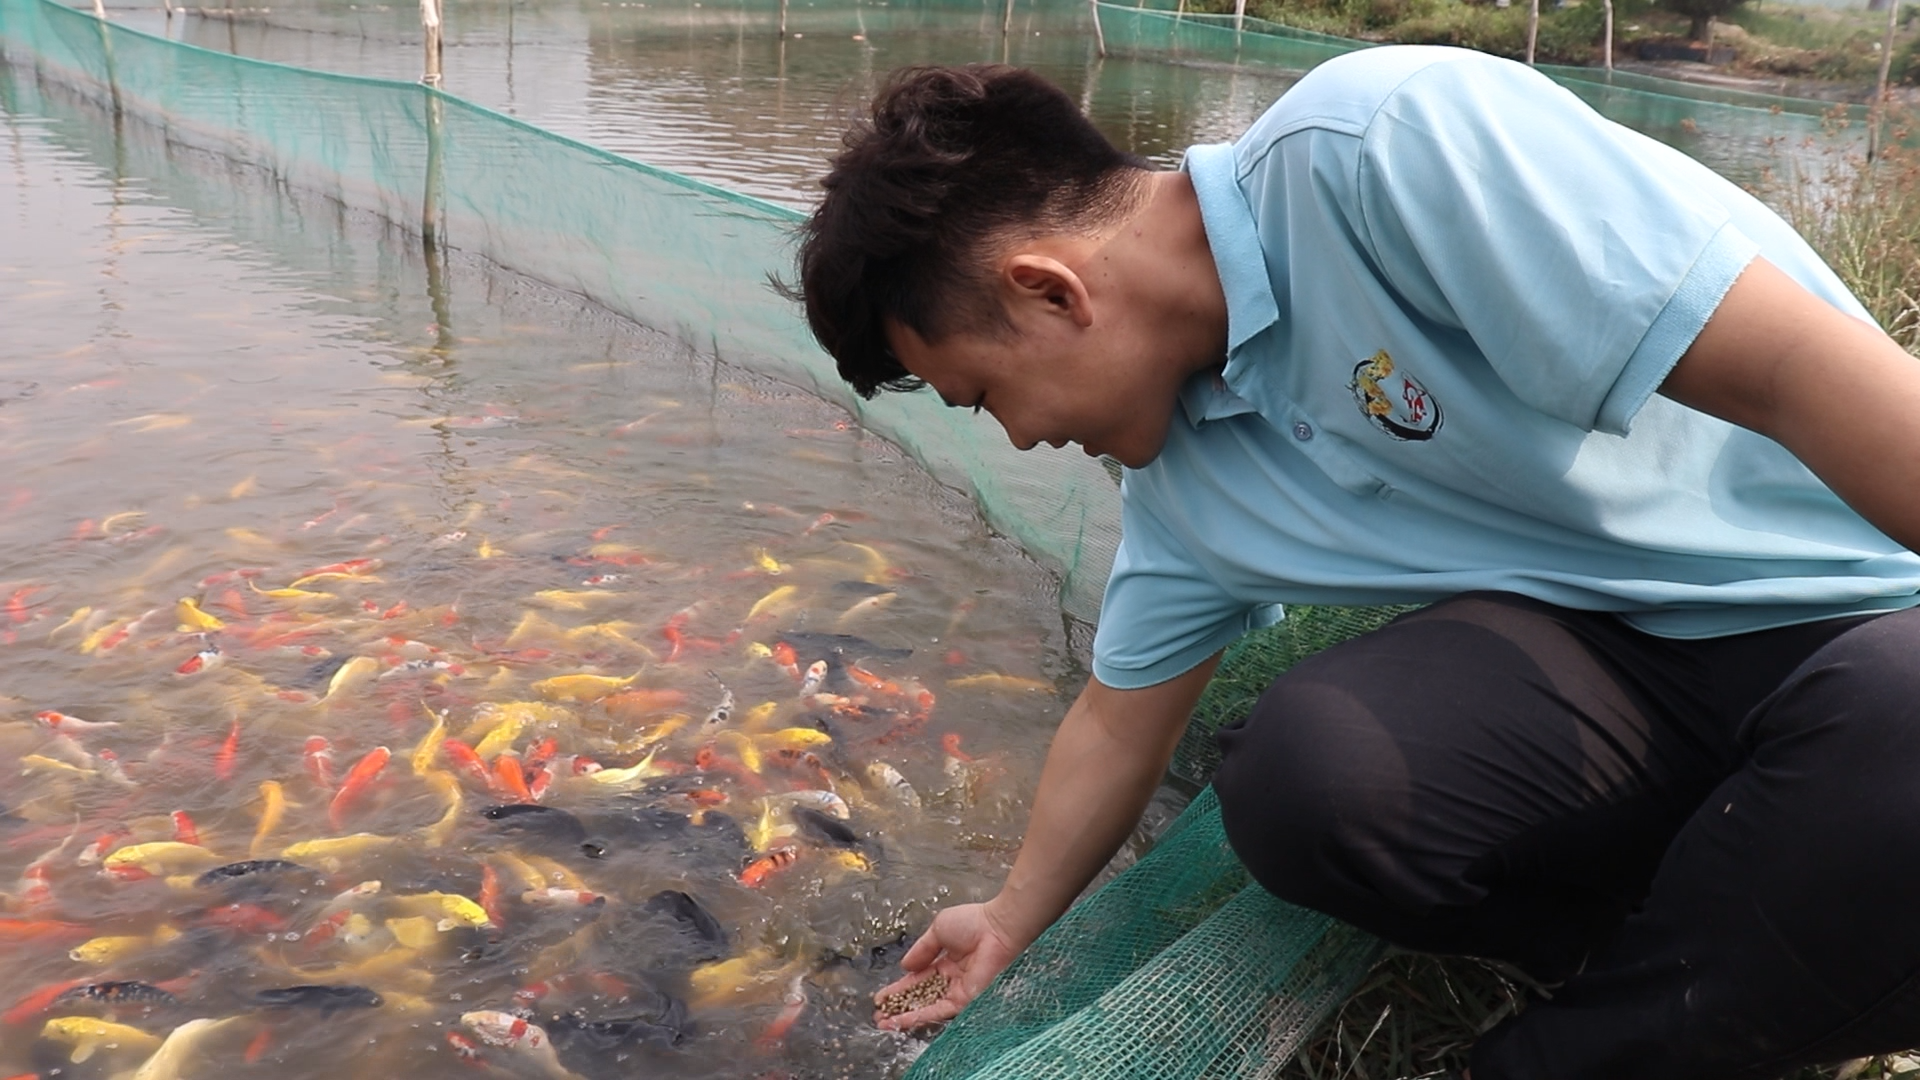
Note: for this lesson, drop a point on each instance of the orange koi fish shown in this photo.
(39, 1001)
(466, 761)
(490, 894)
(358, 778)
(224, 758)
(794, 1002)
(206, 658)
(509, 780)
(184, 830)
(767, 865)
(786, 659)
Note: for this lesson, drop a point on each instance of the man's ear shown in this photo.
(1042, 284)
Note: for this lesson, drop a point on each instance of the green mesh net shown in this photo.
(1181, 966)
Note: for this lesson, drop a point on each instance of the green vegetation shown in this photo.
(1768, 38)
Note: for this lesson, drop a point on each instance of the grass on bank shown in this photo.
(1417, 1016)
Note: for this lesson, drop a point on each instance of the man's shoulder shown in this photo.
(1345, 94)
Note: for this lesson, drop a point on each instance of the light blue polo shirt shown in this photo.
(1452, 291)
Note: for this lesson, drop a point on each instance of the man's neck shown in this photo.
(1163, 263)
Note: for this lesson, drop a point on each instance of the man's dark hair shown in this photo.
(952, 160)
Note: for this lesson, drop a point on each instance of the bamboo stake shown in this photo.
(1606, 42)
(1006, 20)
(783, 19)
(1533, 28)
(1099, 35)
(1239, 15)
(1877, 113)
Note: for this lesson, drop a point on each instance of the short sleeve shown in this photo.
(1162, 614)
(1581, 258)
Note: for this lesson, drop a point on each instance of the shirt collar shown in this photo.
(1242, 265)
(1235, 241)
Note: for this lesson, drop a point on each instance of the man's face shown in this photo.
(1051, 384)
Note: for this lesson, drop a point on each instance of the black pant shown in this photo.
(1715, 843)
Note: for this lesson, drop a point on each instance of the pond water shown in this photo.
(708, 88)
(344, 547)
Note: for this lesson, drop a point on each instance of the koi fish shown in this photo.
(723, 712)
(756, 872)
(449, 909)
(1001, 683)
(39, 763)
(204, 660)
(116, 992)
(184, 830)
(786, 659)
(448, 786)
(290, 593)
(114, 948)
(774, 604)
(349, 675)
(866, 607)
(187, 612)
(223, 759)
(510, 1032)
(361, 775)
(319, 758)
(793, 738)
(89, 1035)
(330, 852)
(509, 781)
(793, 1003)
(68, 724)
(181, 1046)
(816, 675)
(39, 1001)
(644, 769)
(824, 801)
(160, 857)
(467, 761)
(429, 746)
(581, 687)
(553, 896)
(888, 779)
(273, 804)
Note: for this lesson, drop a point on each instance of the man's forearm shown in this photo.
(1104, 764)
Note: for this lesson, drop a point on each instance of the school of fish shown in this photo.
(548, 848)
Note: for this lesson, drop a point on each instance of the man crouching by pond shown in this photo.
(1434, 331)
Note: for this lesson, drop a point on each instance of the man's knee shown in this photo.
(1312, 792)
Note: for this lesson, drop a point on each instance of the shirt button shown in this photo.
(1303, 431)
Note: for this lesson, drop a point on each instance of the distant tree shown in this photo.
(1702, 12)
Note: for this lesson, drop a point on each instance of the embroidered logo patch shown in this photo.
(1395, 401)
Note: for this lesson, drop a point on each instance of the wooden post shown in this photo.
(1099, 35)
(1533, 27)
(1877, 113)
(1006, 20)
(1606, 35)
(430, 197)
(783, 19)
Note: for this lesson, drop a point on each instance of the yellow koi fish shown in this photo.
(182, 1046)
(743, 745)
(448, 787)
(40, 763)
(449, 909)
(162, 857)
(878, 568)
(793, 738)
(273, 804)
(1005, 683)
(112, 949)
(98, 637)
(88, 1035)
(192, 619)
(774, 603)
(331, 851)
(575, 599)
(554, 873)
(429, 745)
(521, 869)
(645, 769)
(291, 593)
(533, 627)
(351, 674)
(581, 687)
(768, 563)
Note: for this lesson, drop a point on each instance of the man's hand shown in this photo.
(964, 945)
(1836, 391)
(1104, 764)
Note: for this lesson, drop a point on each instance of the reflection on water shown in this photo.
(709, 89)
(345, 547)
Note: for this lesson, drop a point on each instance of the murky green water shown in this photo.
(213, 390)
